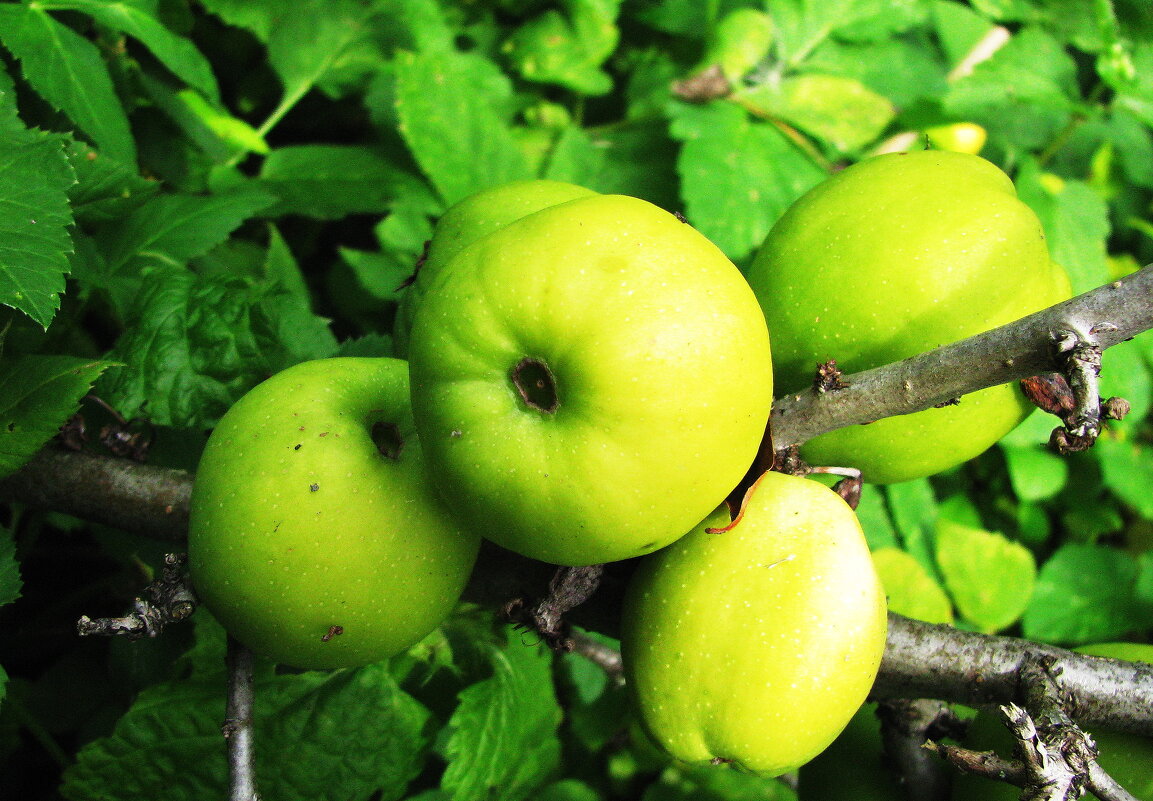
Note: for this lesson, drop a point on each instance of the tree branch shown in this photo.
(137, 498)
(238, 726)
(1105, 316)
(924, 660)
(1056, 760)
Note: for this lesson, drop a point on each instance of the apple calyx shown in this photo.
(387, 439)
(536, 385)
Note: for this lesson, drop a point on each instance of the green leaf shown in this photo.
(220, 135)
(568, 48)
(1136, 96)
(379, 274)
(875, 520)
(255, 16)
(677, 17)
(596, 710)
(1023, 94)
(37, 395)
(1089, 24)
(911, 591)
(1126, 374)
(705, 783)
(1085, 593)
(67, 71)
(913, 505)
(197, 343)
(1035, 471)
(172, 229)
(450, 116)
(503, 742)
(333, 181)
(308, 741)
(1127, 469)
(989, 577)
(35, 177)
(105, 189)
(282, 268)
(10, 583)
(804, 25)
(168, 744)
(738, 175)
(568, 790)
(308, 40)
(634, 158)
(959, 28)
(139, 21)
(900, 69)
(838, 110)
(1076, 222)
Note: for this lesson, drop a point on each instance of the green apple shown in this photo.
(315, 537)
(892, 257)
(754, 642)
(589, 381)
(467, 221)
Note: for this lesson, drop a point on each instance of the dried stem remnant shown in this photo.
(170, 599)
(1054, 759)
(568, 588)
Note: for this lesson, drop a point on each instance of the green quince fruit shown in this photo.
(755, 641)
(315, 536)
(464, 223)
(590, 380)
(892, 257)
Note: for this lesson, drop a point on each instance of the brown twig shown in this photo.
(568, 588)
(1055, 759)
(906, 725)
(138, 498)
(169, 599)
(1114, 313)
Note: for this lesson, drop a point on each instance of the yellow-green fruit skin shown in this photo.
(299, 523)
(756, 644)
(892, 257)
(661, 366)
(465, 222)
(1128, 758)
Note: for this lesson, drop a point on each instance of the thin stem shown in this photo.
(238, 724)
